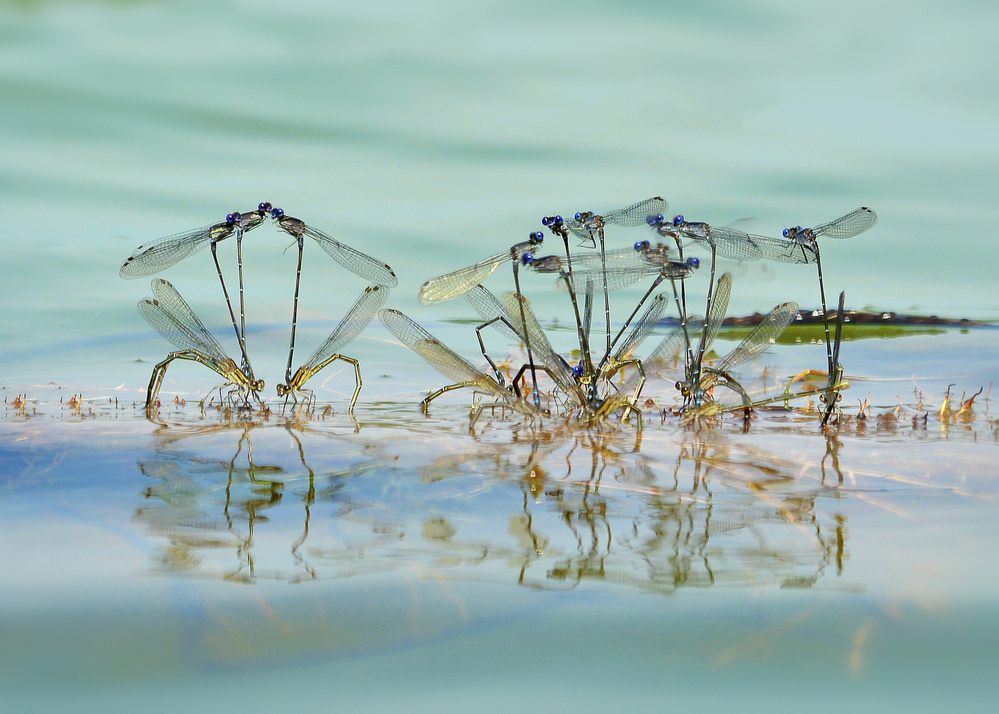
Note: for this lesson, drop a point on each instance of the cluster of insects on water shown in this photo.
(606, 380)
(587, 391)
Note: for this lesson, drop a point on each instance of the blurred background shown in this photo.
(434, 134)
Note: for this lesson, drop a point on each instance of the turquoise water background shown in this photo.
(432, 135)
(149, 566)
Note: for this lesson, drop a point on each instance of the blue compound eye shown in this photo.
(527, 258)
(265, 207)
(642, 245)
(558, 220)
(693, 262)
(678, 220)
(538, 236)
(577, 371)
(547, 221)
(579, 216)
(787, 232)
(233, 217)
(277, 212)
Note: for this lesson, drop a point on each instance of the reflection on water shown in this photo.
(546, 511)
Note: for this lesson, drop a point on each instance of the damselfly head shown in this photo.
(233, 217)
(678, 220)
(276, 212)
(265, 207)
(577, 371)
(642, 245)
(655, 220)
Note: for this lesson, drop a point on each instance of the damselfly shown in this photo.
(173, 318)
(371, 269)
(352, 324)
(451, 365)
(161, 254)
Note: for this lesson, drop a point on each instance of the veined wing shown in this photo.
(438, 355)
(354, 260)
(173, 318)
(159, 255)
(642, 328)
(490, 308)
(761, 338)
(730, 242)
(561, 372)
(637, 214)
(617, 278)
(451, 285)
(719, 306)
(849, 225)
(352, 324)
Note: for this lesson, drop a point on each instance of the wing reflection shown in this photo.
(549, 512)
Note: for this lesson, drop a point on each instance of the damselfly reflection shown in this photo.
(549, 511)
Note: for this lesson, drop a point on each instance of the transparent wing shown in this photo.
(354, 260)
(173, 318)
(849, 225)
(786, 251)
(634, 215)
(540, 346)
(617, 278)
(638, 213)
(490, 308)
(438, 355)
(730, 243)
(642, 328)
(719, 306)
(159, 255)
(451, 285)
(663, 357)
(352, 324)
(761, 338)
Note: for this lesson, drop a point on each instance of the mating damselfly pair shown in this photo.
(586, 391)
(173, 318)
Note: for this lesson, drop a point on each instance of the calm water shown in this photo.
(150, 565)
